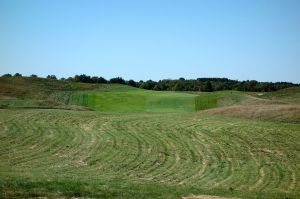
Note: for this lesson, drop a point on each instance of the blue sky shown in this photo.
(152, 39)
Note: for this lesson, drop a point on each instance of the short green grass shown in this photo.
(138, 100)
(135, 101)
(218, 99)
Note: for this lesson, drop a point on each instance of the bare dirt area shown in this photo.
(284, 112)
(206, 197)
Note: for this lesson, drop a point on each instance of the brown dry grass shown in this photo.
(275, 112)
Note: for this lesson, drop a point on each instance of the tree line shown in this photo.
(181, 84)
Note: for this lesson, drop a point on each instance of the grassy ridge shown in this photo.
(289, 113)
(146, 155)
(279, 106)
(38, 92)
(289, 95)
(47, 93)
(38, 88)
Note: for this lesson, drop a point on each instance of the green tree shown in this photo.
(17, 75)
(208, 87)
(7, 75)
(102, 80)
(51, 77)
(117, 80)
(149, 85)
(131, 83)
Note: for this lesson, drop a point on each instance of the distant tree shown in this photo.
(178, 86)
(94, 79)
(149, 85)
(51, 77)
(131, 83)
(83, 78)
(70, 79)
(34, 76)
(253, 86)
(182, 84)
(7, 75)
(139, 83)
(117, 80)
(213, 84)
(62, 79)
(76, 78)
(102, 80)
(157, 87)
(17, 75)
(208, 87)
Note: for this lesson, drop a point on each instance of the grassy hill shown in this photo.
(45, 93)
(279, 106)
(289, 95)
(135, 101)
(132, 143)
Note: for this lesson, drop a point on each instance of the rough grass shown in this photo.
(289, 95)
(57, 153)
(30, 92)
(271, 112)
(33, 88)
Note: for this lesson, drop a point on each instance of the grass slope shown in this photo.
(279, 106)
(270, 112)
(45, 93)
(135, 101)
(138, 100)
(289, 95)
(219, 99)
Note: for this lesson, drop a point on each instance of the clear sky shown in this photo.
(152, 39)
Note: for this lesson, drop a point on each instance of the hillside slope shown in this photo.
(289, 95)
(45, 93)
(278, 106)
(145, 144)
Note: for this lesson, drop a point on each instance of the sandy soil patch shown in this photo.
(206, 197)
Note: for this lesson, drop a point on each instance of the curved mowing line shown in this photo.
(173, 149)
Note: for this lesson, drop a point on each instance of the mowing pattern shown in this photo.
(137, 100)
(208, 152)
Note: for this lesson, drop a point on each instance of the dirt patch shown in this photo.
(7, 97)
(207, 197)
(278, 112)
